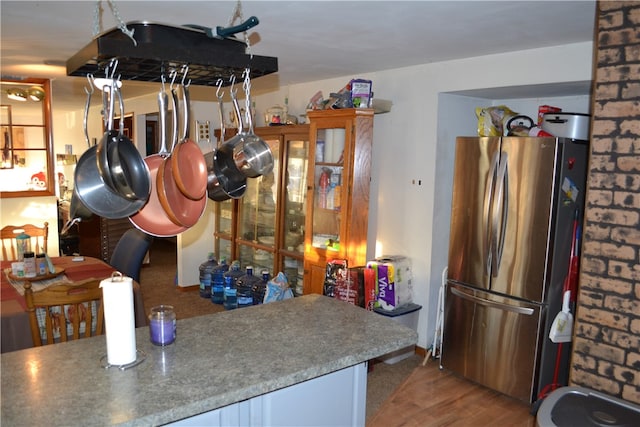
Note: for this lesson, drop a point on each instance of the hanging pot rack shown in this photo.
(161, 48)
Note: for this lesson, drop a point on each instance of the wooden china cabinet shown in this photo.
(338, 191)
(312, 208)
(265, 228)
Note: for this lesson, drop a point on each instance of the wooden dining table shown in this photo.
(14, 319)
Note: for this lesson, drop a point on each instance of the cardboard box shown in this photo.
(361, 94)
(392, 281)
(544, 109)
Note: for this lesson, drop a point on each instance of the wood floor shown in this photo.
(434, 397)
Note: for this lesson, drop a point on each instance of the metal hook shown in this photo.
(163, 79)
(113, 63)
(173, 76)
(219, 94)
(232, 89)
(90, 80)
(184, 75)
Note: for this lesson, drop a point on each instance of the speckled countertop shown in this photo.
(217, 360)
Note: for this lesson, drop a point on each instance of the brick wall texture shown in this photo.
(606, 346)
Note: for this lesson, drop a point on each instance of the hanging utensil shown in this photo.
(152, 218)
(110, 136)
(92, 192)
(232, 182)
(188, 164)
(255, 159)
(180, 209)
(127, 168)
(96, 195)
(215, 191)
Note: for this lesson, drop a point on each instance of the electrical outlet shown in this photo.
(204, 131)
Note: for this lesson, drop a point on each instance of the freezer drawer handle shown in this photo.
(487, 303)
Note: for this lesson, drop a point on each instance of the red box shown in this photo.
(544, 109)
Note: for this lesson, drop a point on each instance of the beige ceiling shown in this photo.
(313, 40)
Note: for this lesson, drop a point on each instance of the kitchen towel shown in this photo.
(117, 296)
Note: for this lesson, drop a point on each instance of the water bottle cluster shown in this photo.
(229, 286)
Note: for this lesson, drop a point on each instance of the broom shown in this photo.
(562, 326)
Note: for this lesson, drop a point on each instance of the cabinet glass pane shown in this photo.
(328, 183)
(29, 137)
(259, 259)
(294, 270)
(296, 182)
(258, 206)
(29, 172)
(225, 217)
(224, 250)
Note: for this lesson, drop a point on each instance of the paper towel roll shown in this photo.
(338, 145)
(117, 297)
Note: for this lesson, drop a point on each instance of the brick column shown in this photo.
(606, 348)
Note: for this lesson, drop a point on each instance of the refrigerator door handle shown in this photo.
(499, 213)
(520, 310)
(487, 212)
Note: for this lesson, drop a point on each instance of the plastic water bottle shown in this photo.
(230, 294)
(259, 288)
(206, 270)
(245, 285)
(236, 273)
(217, 282)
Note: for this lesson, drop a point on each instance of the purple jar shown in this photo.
(162, 325)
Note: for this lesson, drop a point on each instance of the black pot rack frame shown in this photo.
(161, 48)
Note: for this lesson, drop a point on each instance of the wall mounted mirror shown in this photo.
(26, 138)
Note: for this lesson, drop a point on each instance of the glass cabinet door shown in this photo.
(295, 182)
(327, 197)
(258, 205)
(257, 217)
(265, 228)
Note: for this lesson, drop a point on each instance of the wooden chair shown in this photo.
(61, 307)
(8, 234)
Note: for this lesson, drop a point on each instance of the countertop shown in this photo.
(216, 360)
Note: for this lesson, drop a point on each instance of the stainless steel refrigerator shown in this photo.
(514, 203)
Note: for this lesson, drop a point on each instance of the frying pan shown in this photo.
(188, 165)
(152, 218)
(128, 170)
(180, 209)
(223, 33)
